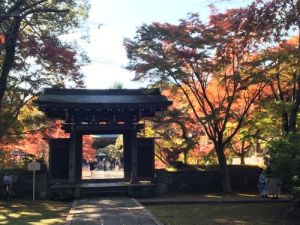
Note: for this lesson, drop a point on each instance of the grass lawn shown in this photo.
(24, 212)
(212, 214)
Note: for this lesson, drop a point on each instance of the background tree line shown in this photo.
(234, 79)
(33, 56)
(240, 70)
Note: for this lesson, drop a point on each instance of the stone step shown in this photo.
(103, 191)
(124, 189)
(91, 194)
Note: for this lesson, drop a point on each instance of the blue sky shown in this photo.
(120, 19)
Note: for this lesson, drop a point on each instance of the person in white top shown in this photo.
(262, 184)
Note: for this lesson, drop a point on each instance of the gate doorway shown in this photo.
(103, 157)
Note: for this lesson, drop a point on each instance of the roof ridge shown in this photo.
(141, 91)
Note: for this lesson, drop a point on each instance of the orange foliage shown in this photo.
(282, 83)
(179, 101)
(2, 39)
(159, 164)
(200, 150)
(36, 143)
(55, 130)
(88, 152)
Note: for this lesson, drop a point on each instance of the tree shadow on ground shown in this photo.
(27, 212)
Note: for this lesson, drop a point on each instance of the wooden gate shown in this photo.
(59, 158)
(145, 155)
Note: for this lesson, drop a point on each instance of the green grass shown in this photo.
(216, 214)
(28, 213)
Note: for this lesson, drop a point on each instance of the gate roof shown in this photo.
(112, 105)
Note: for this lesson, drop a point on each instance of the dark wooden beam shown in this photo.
(102, 128)
(97, 115)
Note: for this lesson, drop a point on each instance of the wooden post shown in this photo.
(78, 164)
(33, 166)
(72, 156)
(33, 186)
(127, 155)
(134, 171)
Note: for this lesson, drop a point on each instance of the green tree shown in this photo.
(274, 21)
(283, 158)
(178, 133)
(111, 151)
(34, 55)
(117, 85)
(241, 144)
(280, 96)
(119, 144)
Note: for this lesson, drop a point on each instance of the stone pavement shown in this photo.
(109, 211)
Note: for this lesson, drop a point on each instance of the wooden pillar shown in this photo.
(78, 164)
(72, 156)
(134, 168)
(127, 155)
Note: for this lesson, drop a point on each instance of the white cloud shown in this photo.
(108, 59)
(120, 19)
(101, 76)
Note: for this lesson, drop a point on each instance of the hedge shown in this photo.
(243, 179)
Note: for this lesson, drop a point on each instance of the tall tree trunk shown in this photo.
(225, 177)
(10, 48)
(242, 153)
(185, 155)
(257, 145)
(285, 122)
(242, 157)
(294, 110)
(293, 118)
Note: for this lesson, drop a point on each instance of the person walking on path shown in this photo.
(262, 184)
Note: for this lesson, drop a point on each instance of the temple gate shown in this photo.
(115, 111)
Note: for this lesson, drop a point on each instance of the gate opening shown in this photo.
(103, 157)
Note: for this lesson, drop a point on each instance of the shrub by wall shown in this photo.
(243, 179)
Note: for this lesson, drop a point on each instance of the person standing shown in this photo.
(274, 187)
(92, 168)
(8, 182)
(262, 184)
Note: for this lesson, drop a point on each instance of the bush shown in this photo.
(283, 159)
(207, 179)
(296, 191)
(61, 195)
(178, 165)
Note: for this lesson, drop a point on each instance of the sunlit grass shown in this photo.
(216, 196)
(247, 195)
(229, 214)
(171, 169)
(213, 196)
(29, 213)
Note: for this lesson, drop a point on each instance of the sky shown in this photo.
(120, 19)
